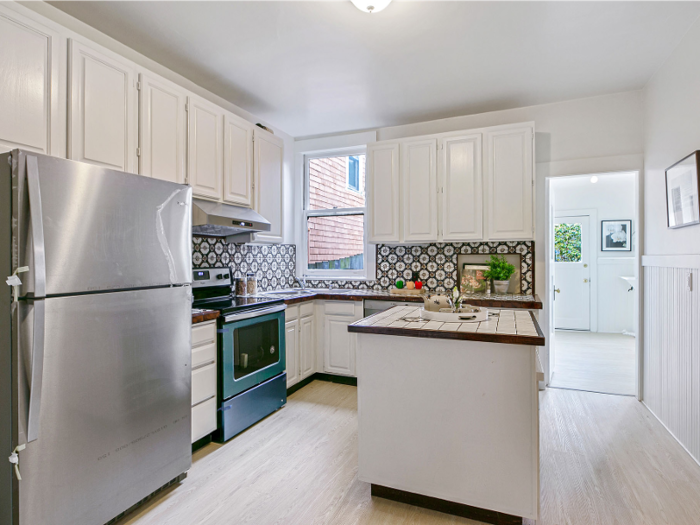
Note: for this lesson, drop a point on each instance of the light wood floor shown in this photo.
(604, 461)
(595, 362)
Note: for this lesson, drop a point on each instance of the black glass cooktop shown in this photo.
(227, 305)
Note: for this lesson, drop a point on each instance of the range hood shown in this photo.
(236, 223)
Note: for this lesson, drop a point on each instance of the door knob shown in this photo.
(585, 280)
(557, 290)
(585, 266)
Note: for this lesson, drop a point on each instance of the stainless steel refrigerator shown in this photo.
(95, 352)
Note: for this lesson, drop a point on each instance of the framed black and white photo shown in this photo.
(616, 236)
(682, 181)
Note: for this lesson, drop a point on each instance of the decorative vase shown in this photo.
(501, 286)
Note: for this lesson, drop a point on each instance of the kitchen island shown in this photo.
(448, 412)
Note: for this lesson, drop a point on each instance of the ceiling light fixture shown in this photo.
(371, 6)
(594, 179)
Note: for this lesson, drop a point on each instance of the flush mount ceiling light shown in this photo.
(594, 179)
(371, 6)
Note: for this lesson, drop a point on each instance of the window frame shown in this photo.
(369, 263)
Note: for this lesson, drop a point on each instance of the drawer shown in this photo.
(340, 308)
(203, 419)
(306, 309)
(203, 355)
(291, 313)
(203, 333)
(203, 383)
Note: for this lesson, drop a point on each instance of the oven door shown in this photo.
(252, 349)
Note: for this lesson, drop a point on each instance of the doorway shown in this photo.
(592, 267)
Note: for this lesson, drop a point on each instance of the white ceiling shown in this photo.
(313, 68)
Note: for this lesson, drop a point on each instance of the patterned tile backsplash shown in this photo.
(275, 264)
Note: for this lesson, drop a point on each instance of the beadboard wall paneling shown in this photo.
(672, 352)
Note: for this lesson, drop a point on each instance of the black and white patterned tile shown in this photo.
(274, 265)
(436, 264)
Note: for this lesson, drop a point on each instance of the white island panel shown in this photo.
(450, 419)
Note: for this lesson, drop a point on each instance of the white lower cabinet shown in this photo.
(291, 334)
(203, 379)
(339, 344)
(307, 337)
(300, 346)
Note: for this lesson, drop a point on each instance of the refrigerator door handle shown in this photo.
(38, 328)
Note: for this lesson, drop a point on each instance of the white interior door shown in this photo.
(572, 304)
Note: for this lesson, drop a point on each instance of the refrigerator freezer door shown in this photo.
(115, 404)
(102, 229)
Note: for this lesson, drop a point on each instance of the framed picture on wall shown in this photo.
(616, 236)
(682, 181)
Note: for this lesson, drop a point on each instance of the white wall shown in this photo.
(672, 315)
(93, 35)
(612, 197)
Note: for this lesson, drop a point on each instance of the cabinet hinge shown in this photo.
(138, 152)
(138, 86)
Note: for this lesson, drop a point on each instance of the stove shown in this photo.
(212, 290)
(252, 382)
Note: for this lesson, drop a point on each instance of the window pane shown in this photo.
(567, 242)
(354, 173)
(336, 243)
(331, 184)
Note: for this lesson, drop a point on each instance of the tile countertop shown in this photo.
(507, 326)
(200, 315)
(529, 302)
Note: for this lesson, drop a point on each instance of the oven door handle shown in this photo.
(255, 313)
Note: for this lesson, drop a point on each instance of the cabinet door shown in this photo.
(238, 161)
(162, 113)
(307, 338)
(204, 148)
(509, 174)
(339, 345)
(291, 350)
(102, 112)
(462, 193)
(32, 86)
(382, 188)
(419, 189)
(269, 193)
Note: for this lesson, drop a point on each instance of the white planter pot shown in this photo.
(501, 286)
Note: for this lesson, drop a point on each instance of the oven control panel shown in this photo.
(204, 277)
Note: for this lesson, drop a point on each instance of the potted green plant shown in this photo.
(499, 272)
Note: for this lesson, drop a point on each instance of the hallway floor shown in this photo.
(594, 362)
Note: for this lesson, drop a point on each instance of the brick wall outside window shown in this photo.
(335, 238)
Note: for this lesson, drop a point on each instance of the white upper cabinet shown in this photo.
(238, 161)
(102, 108)
(268, 180)
(509, 180)
(382, 190)
(462, 194)
(32, 86)
(162, 136)
(419, 185)
(204, 147)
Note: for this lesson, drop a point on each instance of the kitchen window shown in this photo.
(335, 244)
